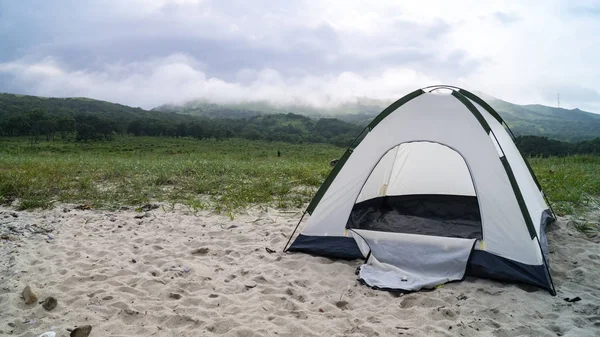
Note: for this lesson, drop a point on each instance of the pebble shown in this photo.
(50, 303)
(8, 237)
(29, 296)
(175, 296)
(82, 331)
(149, 207)
(250, 285)
(200, 251)
(341, 304)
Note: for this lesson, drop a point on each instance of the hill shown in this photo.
(85, 119)
(536, 120)
(555, 123)
(357, 111)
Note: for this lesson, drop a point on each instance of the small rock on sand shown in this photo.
(175, 296)
(50, 303)
(250, 285)
(341, 304)
(29, 296)
(82, 331)
(200, 251)
(149, 207)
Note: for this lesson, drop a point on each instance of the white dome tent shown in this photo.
(433, 189)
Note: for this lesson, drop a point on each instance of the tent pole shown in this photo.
(552, 290)
(549, 206)
(294, 232)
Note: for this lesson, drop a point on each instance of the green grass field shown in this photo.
(570, 183)
(225, 176)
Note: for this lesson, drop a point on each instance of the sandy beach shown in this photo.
(170, 272)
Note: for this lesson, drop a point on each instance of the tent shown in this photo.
(432, 190)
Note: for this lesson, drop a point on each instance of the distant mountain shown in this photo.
(85, 119)
(555, 123)
(11, 104)
(537, 120)
(364, 108)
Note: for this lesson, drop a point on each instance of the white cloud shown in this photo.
(149, 52)
(176, 79)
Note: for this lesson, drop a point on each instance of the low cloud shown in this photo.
(179, 78)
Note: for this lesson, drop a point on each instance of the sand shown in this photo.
(176, 273)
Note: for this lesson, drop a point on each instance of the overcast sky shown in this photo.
(149, 52)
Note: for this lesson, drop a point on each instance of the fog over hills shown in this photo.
(572, 125)
(530, 119)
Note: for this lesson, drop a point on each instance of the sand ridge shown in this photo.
(173, 272)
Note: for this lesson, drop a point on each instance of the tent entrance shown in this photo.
(417, 218)
(437, 215)
(422, 188)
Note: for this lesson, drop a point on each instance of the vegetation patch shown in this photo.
(219, 175)
(571, 183)
(208, 174)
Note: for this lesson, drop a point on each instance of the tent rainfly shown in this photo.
(432, 190)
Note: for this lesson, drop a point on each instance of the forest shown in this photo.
(86, 120)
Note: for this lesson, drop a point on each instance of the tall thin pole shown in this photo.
(558, 100)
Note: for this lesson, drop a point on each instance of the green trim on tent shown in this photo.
(473, 110)
(338, 167)
(520, 199)
(535, 179)
(330, 178)
(393, 107)
(497, 116)
(507, 168)
(483, 104)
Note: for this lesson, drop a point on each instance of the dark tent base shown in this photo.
(481, 264)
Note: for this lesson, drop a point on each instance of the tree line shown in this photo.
(85, 120)
(545, 147)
